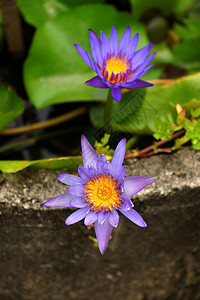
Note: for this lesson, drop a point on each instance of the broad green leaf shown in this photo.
(11, 106)
(36, 12)
(178, 6)
(136, 112)
(69, 163)
(54, 71)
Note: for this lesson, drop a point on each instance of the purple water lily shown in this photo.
(100, 192)
(117, 65)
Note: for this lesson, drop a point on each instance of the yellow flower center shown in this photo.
(116, 69)
(102, 193)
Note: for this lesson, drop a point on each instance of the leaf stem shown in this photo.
(142, 153)
(45, 124)
(108, 113)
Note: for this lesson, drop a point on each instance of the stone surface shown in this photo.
(42, 258)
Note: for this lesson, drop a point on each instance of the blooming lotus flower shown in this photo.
(100, 191)
(117, 65)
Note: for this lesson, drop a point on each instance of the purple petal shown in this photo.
(147, 61)
(94, 36)
(134, 217)
(116, 94)
(78, 202)
(105, 47)
(103, 233)
(126, 204)
(118, 156)
(114, 41)
(96, 50)
(96, 82)
(76, 216)
(59, 201)
(137, 84)
(84, 55)
(132, 45)
(89, 155)
(90, 218)
(69, 179)
(102, 217)
(76, 190)
(125, 39)
(120, 172)
(114, 218)
(140, 56)
(83, 172)
(134, 184)
(101, 162)
(146, 70)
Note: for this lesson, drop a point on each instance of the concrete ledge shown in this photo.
(42, 258)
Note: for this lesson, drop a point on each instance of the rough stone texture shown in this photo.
(42, 258)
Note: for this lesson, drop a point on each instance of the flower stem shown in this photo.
(108, 113)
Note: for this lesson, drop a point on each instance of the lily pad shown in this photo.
(36, 12)
(69, 163)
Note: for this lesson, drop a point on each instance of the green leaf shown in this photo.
(11, 106)
(136, 112)
(36, 12)
(54, 71)
(69, 163)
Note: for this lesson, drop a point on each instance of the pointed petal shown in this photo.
(102, 217)
(77, 202)
(140, 56)
(116, 94)
(103, 233)
(132, 45)
(125, 39)
(89, 155)
(118, 156)
(94, 36)
(76, 216)
(134, 217)
(96, 50)
(113, 41)
(76, 190)
(126, 204)
(83, 172)
(84, 55)
(90, 218)
(114, 218)
(134, 184)
(101, 162)
(69, 179)
(96, 82)
(120, 172)
(137, 84)
(59, 201)
(105, 47)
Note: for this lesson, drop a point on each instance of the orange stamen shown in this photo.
(102, 193)
(116, 69)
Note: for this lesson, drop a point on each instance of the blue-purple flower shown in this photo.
(117, 64)
(100, 191)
